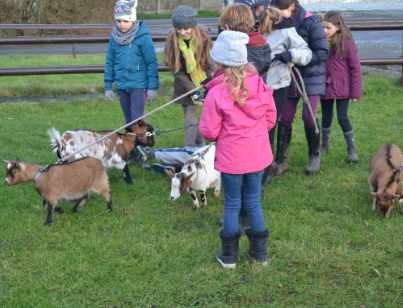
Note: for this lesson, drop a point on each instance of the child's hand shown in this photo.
(284, 57)
(109, 95)
(354, 100)
(151, 95)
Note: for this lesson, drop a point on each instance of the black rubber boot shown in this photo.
(283, 141)
(352, 156)
(258, 246)
(313, 139)
(229, 250)
(324, 147)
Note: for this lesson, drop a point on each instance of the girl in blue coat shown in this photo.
(131, 62)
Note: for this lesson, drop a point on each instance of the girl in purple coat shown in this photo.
(343, 81)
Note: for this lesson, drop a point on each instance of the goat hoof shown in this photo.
(128, 181)
(59, 210)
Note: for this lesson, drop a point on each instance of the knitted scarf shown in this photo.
(124, 38)
(192, 67)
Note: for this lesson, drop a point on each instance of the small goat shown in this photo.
(113, 151)
(71, 181)
(386, 178)
(197, 175)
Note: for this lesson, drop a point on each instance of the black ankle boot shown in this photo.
(229, 250)
(313, 139)
(258, 246)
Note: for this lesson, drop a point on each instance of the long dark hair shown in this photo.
(342, 35)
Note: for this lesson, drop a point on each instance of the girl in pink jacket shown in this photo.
(238, 113)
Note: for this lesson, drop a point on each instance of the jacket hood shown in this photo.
(142, 29)
(255, 105)
(259, 94)
(256, 39)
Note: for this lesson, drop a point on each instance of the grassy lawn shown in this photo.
(327, 247)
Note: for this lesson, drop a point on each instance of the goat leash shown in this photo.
(130, 123)
(302, 91)
(159, 132)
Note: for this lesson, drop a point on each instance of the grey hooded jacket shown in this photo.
(284, 37)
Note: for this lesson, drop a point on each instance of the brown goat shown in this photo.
(386, 178)
(71, 181)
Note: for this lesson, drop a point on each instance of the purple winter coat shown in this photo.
(343, 74)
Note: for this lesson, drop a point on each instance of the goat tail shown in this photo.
(55, 140)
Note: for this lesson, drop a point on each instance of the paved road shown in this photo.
(388, 44)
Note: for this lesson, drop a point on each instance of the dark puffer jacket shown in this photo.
(259, 52)
(310, 29)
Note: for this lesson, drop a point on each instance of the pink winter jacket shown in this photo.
(241, 133)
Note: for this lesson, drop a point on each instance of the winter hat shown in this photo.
(125, 10)
(230, 48)
(184, 17)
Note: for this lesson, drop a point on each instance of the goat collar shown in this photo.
(41, 170)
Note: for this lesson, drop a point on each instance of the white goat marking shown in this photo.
(203, 175)
(77, 140)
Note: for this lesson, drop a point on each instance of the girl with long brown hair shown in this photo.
(343, 72)
(187, 55)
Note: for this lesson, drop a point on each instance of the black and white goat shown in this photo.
(197, 175)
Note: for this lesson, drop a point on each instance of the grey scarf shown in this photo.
(124, 38)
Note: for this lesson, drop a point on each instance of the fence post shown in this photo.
(401, 76)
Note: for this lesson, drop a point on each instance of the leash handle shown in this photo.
(302, 91)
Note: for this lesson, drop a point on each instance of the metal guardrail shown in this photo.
(158, 36)
(99, 68)
(374, 25)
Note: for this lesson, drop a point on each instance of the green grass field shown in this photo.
(327, 247)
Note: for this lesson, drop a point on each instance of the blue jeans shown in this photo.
(242, 190)
(132, 102)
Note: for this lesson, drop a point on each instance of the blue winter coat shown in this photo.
(132, 66)
(311, 30)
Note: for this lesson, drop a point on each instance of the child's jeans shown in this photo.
(132, 102)
(248, 187)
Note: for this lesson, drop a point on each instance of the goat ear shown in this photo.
(198, 165)
(141, 122)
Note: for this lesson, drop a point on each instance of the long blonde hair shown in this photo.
(269, 17)
(173, 54)
(234, 78)
(237, 17)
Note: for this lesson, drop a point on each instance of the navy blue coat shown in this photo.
(309, 27)
(132, 66)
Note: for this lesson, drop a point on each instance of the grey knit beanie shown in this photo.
(230, 48)
(184, 17)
